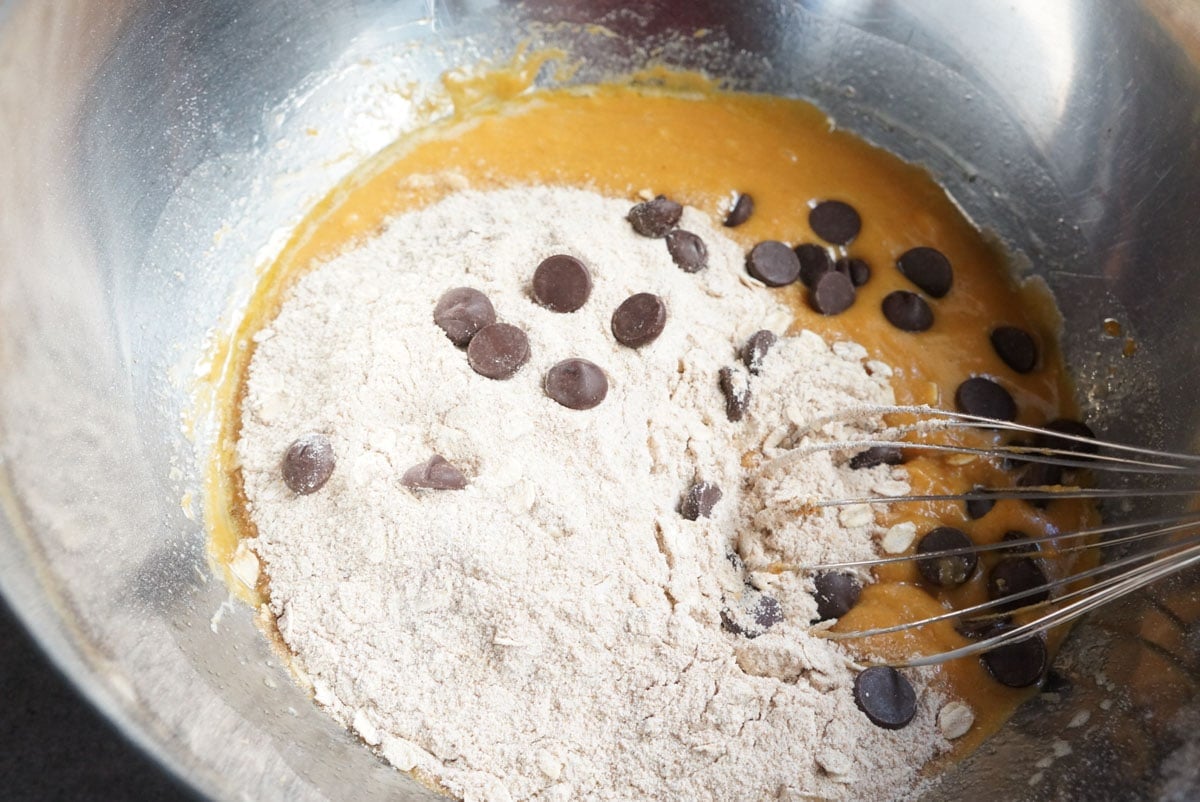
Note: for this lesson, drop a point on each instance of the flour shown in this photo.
(554, 630)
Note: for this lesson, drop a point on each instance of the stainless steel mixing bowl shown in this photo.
(150, 150)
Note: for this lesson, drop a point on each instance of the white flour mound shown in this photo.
(554, 631)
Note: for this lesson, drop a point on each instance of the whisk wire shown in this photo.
(990, 607)
(946, 419)
(1164, 525)
(1132, 581)
(1052, 602)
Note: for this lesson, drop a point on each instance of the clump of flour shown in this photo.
(554, 631)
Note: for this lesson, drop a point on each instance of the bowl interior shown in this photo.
(154, 151)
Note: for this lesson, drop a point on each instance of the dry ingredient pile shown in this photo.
(508, 462)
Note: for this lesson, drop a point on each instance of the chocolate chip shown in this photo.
(639, 319)
(1018, 664)
(835, 593)
(687, 250)
(907, 311)
(1020, 541)
(756, 348)
(733, 623)
(979, 507)
(876, 455)
(1071, 427)
(832, 294)
(1016, 347)
(461, 312)
(561, 283)
(498, 351)
(773, 263)
(986, 399)
(576, 384)
(753, 614)
(1013, 461)
(308, 463)
(947, 571)
(736, 390)
(928, 268)
(699, 500)
(982, 628)
(835, 221)
(857, 270)
(1041, 474)
(1057, 683)
(885, 696)
(435, 473)
(815, 262)
(766, 612)
(1015, 575)
(743, 207)
(655, 218)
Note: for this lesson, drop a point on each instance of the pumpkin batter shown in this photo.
(700, 146)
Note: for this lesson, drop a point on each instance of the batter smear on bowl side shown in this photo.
(509, 446)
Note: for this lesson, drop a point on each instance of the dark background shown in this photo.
(55, 746)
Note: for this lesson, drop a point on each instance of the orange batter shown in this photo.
(698, 147)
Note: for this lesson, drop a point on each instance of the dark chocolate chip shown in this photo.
(699, 500)
(928, 268)
(1021, 544)
(907, 311)
(562, 283)
(1014, 461)
(982, 628)
(753, 614)
(639, 319)
(735, 559)
(756, 348)
(979, 507)
(985, 398)
(835, 593)
(857, 270)
(773, 263)
(832, 294)
(1041, 474)
(1056, 682)
(461, 312)
(876, 455)
(1016, 347)
(655, 218)
(308, 463)
(687, 250)
(576, 384)
(766, 611)
(1018, 664)
(815, 262)
(732, 622)
(743, 207)
(736, 390)
(835, 221)
(1069, 427)
(498, 351)
(1016, 575)
(885, 696)
(949, 570)
(435, 473)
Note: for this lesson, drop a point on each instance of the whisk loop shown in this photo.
(1165, 544)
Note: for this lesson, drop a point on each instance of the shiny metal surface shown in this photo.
(149, 151)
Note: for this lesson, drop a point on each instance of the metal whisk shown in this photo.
(1063, 445)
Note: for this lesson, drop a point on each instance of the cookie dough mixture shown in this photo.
(511, 451)
(558, 628)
